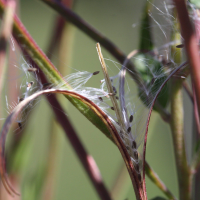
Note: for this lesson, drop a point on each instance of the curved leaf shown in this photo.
(95, 109)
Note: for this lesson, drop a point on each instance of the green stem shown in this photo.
(177, 119)
(156, 180)
(177, 126)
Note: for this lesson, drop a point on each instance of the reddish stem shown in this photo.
(191, 44)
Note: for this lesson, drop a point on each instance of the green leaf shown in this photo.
(146, 42)
(150, 78)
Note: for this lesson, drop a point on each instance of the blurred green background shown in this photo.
(116, 20)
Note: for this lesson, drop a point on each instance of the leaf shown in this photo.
(146, 42)
(94, 108)
(151, 76)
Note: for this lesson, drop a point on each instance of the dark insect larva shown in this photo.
(112, 108)
(95, 73)
(117, 97)
(180, 46)
(134, 144)
(32, 69)
(131, 118)
(129, 129)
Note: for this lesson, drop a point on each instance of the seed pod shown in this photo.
(32, 69)
(134, 144)
(131, 118)
(112, 108)
(114, 90)
(95, 73)
(137, 168)
(129, 129)
(100, 98)
(135, 155)
(180, 46)
(21, 99)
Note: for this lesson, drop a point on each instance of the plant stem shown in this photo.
(156, 180)
(191, 44)
(6, 31)
(177, 119)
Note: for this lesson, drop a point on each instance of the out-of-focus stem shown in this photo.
(191, 43)
(177, 126)
(6, 30)
(178, 140)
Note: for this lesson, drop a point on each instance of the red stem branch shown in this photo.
(191, 44)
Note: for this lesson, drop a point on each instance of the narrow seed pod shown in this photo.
(134, 144)
(131, 118)
(180, 46)
(129, 129)
(32, 69)
(95, 73)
